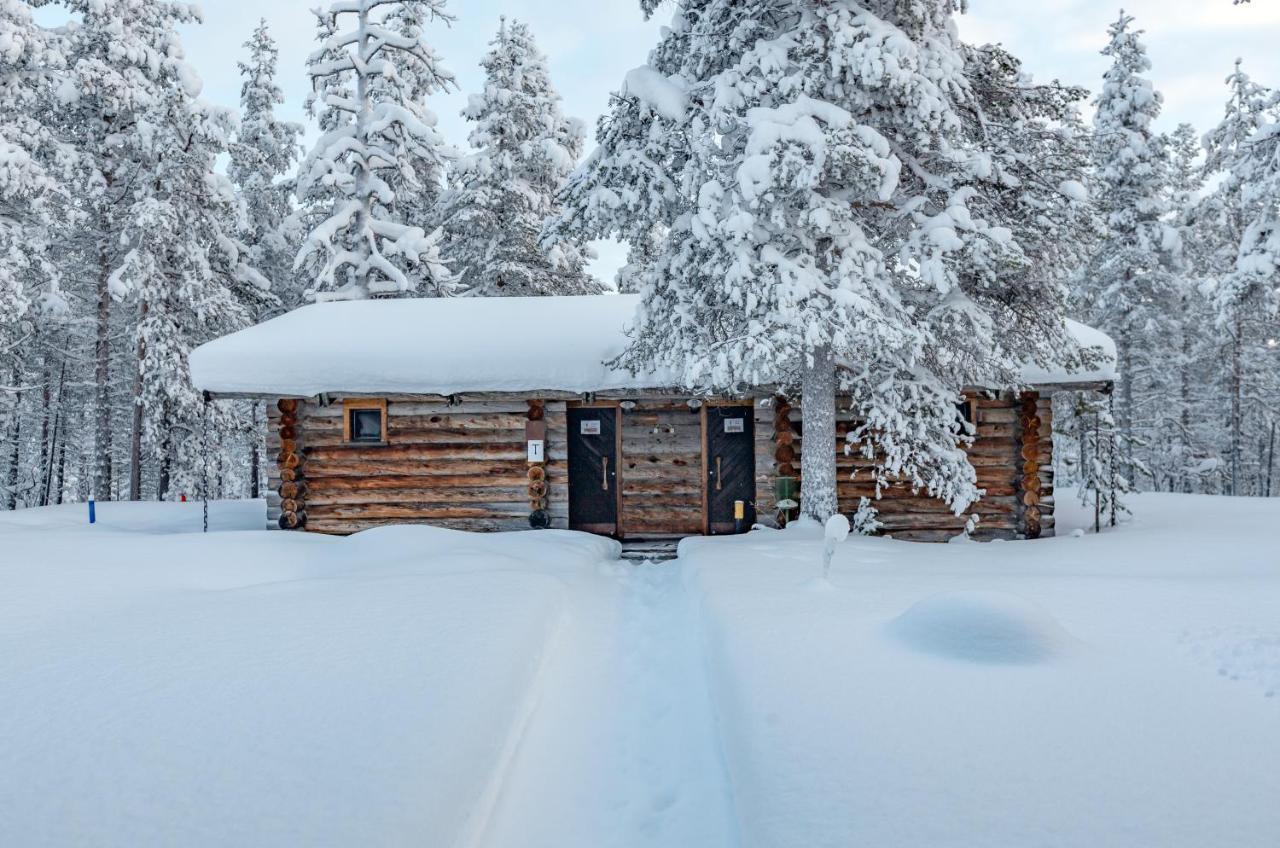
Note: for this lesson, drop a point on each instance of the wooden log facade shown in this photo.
(469, 463)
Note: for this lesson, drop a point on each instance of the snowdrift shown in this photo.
(983, 627)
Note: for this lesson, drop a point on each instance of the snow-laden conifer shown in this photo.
(1127, 288)
(31, 165)
(184, 270)
(263, 156)
(504, 192)
(123, 55)
(33, 171)
(1242, 225)
(841, 215)
(381, 146)
(1184, 443)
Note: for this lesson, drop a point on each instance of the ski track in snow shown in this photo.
(623, 749)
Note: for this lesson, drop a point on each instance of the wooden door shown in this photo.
(593, 469)
(730, 458)
(661, 469)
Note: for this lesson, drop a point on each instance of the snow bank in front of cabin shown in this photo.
(265, 689)
(1138, 712)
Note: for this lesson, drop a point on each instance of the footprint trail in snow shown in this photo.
(623, 749)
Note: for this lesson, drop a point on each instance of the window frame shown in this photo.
(353, 404)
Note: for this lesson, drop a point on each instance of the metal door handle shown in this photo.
(719, 485)
(604, 464)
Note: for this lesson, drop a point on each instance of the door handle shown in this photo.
(719, 479)
(604, 476)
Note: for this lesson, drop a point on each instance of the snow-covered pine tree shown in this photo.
(32, 196)
(317, 200)
(185, 268)
(120, 60)
(1245, 210)
(158, 252)
(370, 77)
(1127, 288)
(1090, 424)
(1184, 445)
(502, 194)
(421, 179)
(839, 216)
(263, 156)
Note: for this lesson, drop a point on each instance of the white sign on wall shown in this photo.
(537, 450)
(590, 428)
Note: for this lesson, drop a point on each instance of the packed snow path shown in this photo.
(624, 749)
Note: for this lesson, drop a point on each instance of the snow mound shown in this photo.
(442, 548)
(982, 627)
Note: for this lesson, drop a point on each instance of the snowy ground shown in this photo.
(413, 686)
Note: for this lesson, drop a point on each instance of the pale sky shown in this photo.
(591, 45)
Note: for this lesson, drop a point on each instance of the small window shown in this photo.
(967, 411)
(365, 422)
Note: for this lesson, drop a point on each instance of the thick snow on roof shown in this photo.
(427, 346)
(1086, 337)
(455, 345)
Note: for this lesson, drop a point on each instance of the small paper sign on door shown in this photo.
(590, 428)
(735, 425)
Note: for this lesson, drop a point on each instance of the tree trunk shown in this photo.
(1271, 458)
(1125, 356)
(1237, 404)
(15, 447)
(1093, 473)
(818, 443)
(46, 494)
(1184, 374)
(162, 484)
(364, 115)
(135, 429)
(60, 481)
(255, 455)
(102, 357)
(45, 467)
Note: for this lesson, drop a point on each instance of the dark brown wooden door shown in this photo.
(593, 469)
(731, 468)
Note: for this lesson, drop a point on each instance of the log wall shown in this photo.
(465, 465)
(1013, 462)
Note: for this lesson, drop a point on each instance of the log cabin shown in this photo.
(504, 414)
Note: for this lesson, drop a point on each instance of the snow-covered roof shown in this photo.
(1104, 371)
(445, 346)
(428, 346)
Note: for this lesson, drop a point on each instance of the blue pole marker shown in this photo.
(93, 512)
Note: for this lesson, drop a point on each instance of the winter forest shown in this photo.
(801, 184)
